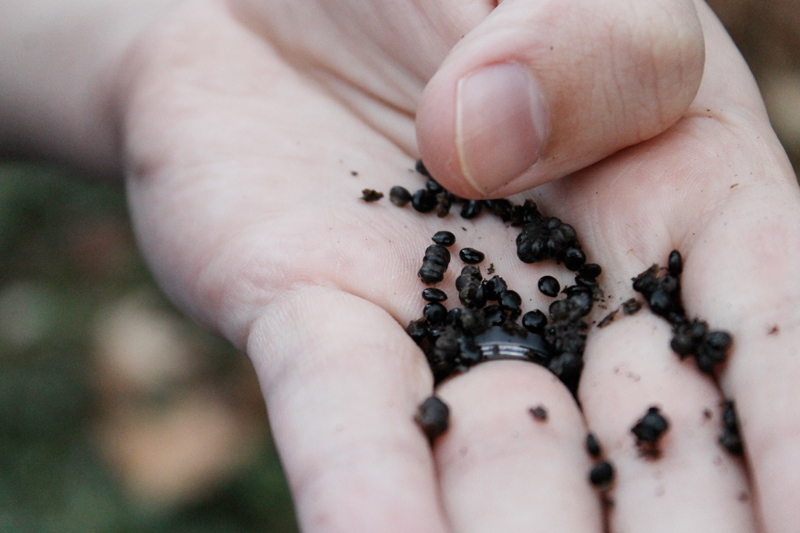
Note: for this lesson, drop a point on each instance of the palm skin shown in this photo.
(240, 142)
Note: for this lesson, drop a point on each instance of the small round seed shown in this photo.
(434, 295)
(534, 321)
(471, 256)
(399, 196)
(433, 417)
(590, 271)
(601, 474)
(471, 209)
(574, 258)
(433, 186)
(435, 313)
(445, 238)
(423, 201)
(549, 286)
(510, 301)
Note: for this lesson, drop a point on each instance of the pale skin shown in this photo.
(239, 125)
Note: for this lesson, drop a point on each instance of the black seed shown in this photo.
(593, 446)
(510, 301)
(574, 258)
(660, 302)
(719, 340)
(423, 201)
(434, 295)
(549, 286)
(631, 307)
(417, 330)
(539, 413)
(434, 313)
(649, 430)
(371, 195)
(675, 263)
(602, 474)
(590, 271)
(534, 321)
(420, 167)
(445, 238)
(495, 316)
(471, 256)
(494, 288)
(471, 209)
(399, 196)
(453, 317)
(433, 186)
(433, 417)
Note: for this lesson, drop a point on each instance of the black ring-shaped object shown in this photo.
(497, 344)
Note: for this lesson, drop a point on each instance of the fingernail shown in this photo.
(501, 119)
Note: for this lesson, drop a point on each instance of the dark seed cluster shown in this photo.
(434, 264)
(648, 432)
(449, 342)
(433, 417)
(691, 337)
(730, 438)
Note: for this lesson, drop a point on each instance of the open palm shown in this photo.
(250, 129)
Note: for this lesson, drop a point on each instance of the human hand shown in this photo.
(241, 132)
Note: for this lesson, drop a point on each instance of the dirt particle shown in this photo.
(631, 307)
(539, 413)
(371, 195)
(608, 319)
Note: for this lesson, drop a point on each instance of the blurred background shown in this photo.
(119, 414)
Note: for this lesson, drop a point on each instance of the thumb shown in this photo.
(542, 88)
